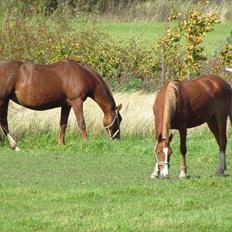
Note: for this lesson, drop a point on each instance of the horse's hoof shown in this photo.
(182, 175)
(154, 176)
(17, 148)
(61, 143)
(219, 173)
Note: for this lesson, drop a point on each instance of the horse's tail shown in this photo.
(229, 70)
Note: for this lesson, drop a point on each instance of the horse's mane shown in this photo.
(169, 109)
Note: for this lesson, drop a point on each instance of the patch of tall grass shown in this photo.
(137, 117)
(120, 10)
(160, 10)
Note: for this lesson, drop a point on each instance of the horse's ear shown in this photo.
(119, 107)
(170, 138)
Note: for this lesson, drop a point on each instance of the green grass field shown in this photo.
(103, 185)
(150, 32)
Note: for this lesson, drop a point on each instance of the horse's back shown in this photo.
(44, 86)
(196, 101)
(39, 86)
(205, 90)
(203, 98)
(209, 84)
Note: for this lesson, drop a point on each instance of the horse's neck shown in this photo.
(104, 99)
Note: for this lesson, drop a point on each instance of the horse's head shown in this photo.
(113, 128)
(163, 153)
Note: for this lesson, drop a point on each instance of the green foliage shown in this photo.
(223, 57)
(117, 62)
(195, 27)
(183, 44)
(226, 52)
(226, 55)
(126, 64)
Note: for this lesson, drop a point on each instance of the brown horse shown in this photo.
(64, 84)
(186, 104)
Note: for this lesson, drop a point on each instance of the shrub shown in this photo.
(183, 45)
(117, 62)
(125, 65)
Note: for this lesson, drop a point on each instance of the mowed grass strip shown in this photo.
(103, 185)
(149, 33)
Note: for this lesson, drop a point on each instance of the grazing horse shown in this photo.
(186, 104)
(64, 84)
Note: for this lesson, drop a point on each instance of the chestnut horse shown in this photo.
(64, 84)
(186, 104)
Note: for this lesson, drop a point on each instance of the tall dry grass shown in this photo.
(121, 10)
(137, 117)
(160, 10)
(137, 114)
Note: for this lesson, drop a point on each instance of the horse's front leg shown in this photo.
(65, 110)
(183, 150)
(222, 141)
(77, 106)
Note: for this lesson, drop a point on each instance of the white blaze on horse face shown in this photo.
(164, 171)
(165, 150)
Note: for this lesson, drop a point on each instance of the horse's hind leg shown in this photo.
(4, 124)
(183, 150)
(219, 131)
(63, 123)
(222, 145)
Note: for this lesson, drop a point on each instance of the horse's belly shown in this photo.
(191, 120)
(43, 106)
(195, 123)
(187, 124)
(38, 100)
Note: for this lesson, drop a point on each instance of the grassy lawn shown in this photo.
(150, 32)
(103, 185)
